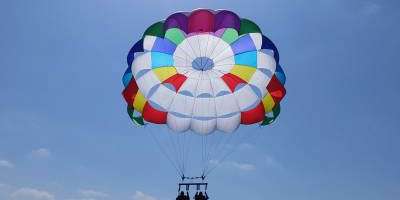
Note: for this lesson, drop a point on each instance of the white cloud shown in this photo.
(142, 196)
(234, 164)
(6, 164)
(93, 194)
(31, 194)
(41, 153)
(242, 166)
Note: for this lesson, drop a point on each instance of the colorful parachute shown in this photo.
(203, 71)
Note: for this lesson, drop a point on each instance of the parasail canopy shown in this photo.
(203, 71)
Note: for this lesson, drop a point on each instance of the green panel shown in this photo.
(267, 121)
(271, 116)
(175, 35)
(276, 110)
(137, 120)
(156, 29)
(230, 35)
(247, 26)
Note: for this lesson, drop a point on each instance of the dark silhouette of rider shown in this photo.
(200, 196)
(182, 196)
(187, 197)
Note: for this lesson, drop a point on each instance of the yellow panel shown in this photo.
(139, 102)
(163, 73)
(268, 103)
(244, 72)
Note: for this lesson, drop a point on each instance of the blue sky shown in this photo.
(64, 132)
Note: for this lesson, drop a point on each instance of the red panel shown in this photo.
(276, 89)
(201, 21)
(176, 80)
(254, 115)
(130, 91)
(232, 81)
(153, 115)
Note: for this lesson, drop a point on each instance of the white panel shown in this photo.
(265, 61)
(226, 53)
(185, 48)
(212, 44)
(178, 124)
(213, 74)
(141, 62)
(220, 48)
(148, 42)
(204, 86)
(182, 60)
(226, 104)
(257, 40)
(219, 85)
(225, 65)
(204, 107)
(229, 124)
(194, 44)
(203, 127)
(260, 80)
(245, 97)
(146, 82)
(190, 85)
(163, 97)
(204, 40)
(182, 104)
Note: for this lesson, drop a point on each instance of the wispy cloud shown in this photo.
(41, 153)
(93, 194)
(6, 164)
(242, 166)
(233, 164)
(142, 196)
(31, 194)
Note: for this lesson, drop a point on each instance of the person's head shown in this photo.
(201, 193)
(182, 193)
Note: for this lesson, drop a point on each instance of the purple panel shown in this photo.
(164, 46)
(243, 44)
(177, 20)
(201, 21)
(226, 19)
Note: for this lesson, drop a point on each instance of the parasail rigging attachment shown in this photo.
(202, 177)
(198, 186)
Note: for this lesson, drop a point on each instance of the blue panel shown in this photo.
(223, 93)
(161, 60)
(204, 95)
(127, 77)
(138, 47)
(164, 46)
(280, 74)
(186, 93)
(243, 44)
(268, 44)
(247, 58)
